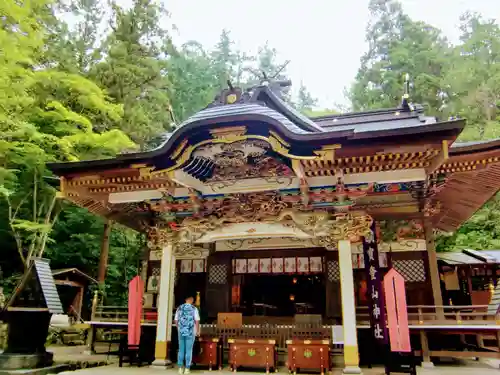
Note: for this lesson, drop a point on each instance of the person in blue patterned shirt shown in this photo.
(187, 320)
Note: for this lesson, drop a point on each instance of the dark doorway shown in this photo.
(282, 295)
(188, 284)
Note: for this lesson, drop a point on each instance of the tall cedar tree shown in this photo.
(399, 45)
(134, 70)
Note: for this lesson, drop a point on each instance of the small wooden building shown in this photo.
(73, 288)
(468, 276)
(28, 314)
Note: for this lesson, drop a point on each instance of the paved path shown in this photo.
(469, 369)
(76, 353)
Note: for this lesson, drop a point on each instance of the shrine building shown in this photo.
(256, 209)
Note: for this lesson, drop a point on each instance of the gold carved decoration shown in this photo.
(242, 160)
(179, 149)
(227, 135)
(344, 227)
(432, 208)
(327, 153)
(231, 134)
(328, 229)
(324, 228)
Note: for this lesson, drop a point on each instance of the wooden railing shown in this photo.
(417, 315)
(440, 315)
(119, 314)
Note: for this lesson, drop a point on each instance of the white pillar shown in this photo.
(351, 355)
(164, 308)
(171, 301)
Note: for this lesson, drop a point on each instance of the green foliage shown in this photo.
(193, 78)
(461, 80)
(114, 82)
(399, 45)
(472, 81)
(134, 70)
(76, 243)
(481, 232)
(305, 101)
(45, 115)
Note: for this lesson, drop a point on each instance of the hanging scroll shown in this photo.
(375, 292)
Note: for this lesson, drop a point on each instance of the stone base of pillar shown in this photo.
(352, 370)
(162, 363)
(427, 365)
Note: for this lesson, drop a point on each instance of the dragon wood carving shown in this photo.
(267, 207)
(242, 159)
(328, 229)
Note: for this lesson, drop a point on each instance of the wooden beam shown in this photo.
(12, 308)
(433, 267)
(440, 159)
(68, 283)
(298, 168)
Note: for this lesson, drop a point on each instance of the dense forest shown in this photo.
(78, 83)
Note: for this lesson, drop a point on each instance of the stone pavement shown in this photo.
(474, 368)
(77, 353)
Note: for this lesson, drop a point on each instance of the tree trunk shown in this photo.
(103, 261)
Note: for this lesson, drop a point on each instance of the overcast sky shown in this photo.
(323, 39)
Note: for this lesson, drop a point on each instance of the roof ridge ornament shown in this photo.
(230, 95)
(406, 105)
(236, 95)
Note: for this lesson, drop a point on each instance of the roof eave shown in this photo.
(469, 148)
(124, 160)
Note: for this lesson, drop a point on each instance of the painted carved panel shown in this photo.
(193, 265)
(236, 161)
(253, 266)
(302, 264)
(315, 264)
(265, 265)
(278, 265)
(290, 265)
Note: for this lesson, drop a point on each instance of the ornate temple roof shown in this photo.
(390, 163)
(400, 119)
(264, 107)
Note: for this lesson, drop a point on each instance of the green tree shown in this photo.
(45, 116)
(305, 101)
(193, 79)
(472, 80)
(74, 47)
(399, 45)
(472, 88)
(76, 242)
(134, 71)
